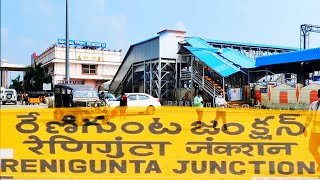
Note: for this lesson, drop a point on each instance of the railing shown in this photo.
(199, 79)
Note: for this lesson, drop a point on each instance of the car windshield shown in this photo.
(85, 94)
(8, 92)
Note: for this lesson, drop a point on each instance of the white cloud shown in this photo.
(180, 26)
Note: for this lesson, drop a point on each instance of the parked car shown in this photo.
(9, 96)
(137, 102)
(108, 96)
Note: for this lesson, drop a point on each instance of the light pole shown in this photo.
(67, 78)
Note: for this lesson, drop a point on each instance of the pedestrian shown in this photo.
(123, 105)
(198, 103)
(19, 98)
(221, 105)
(314, 140)
(26, 99)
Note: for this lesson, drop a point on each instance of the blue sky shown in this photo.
(29, 26)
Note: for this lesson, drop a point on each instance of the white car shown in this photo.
(9, 96)
(137, 102)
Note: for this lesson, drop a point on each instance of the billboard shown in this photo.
(78, 143)
(83, 43)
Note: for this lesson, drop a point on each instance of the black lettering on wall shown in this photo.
(10, 164)
(233, 169)
(221, 168)
(45, 165)
(74, 168)
(257, 167)
(201, 170)
(28, 165)
(137, 166)
(153, 166)
(303, 166)
(94, 164)
(183, 167)
(114, 165)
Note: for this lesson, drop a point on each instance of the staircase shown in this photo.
(124, 82)
(210, 81)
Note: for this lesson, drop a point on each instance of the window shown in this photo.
(132, 97)
(88, 69)
(143, 97)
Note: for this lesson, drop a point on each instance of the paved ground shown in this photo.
(19, 106)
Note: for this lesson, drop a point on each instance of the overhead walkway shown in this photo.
(216, 66)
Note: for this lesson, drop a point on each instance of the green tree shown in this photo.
(35, 77)
(16, 84)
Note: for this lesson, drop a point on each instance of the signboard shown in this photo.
(64, 143)
(70, 82)
(33, 57)
(46, 86)
(83, 43)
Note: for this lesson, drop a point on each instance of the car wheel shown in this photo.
(15, 103)
(3, 102)
(150, 110)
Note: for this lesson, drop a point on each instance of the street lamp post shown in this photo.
(67, 78)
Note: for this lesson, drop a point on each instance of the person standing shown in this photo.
(123, 105)
(198, 103)
(221, 105)
(26, 99)
(314, 140)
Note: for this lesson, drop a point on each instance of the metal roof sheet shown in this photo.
(198, 43)
(289, 57)
(214, 61)
(251, 44)
(238, 58)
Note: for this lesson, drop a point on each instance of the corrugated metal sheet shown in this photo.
(238, 58)
(251, 44)
(142, 51)
(198, 43)
(214, 61)
(290, 57)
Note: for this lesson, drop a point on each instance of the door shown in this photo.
(133, 103)
(144, 102)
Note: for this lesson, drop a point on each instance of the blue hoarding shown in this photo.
(83, 43)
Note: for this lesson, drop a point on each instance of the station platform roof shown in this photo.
(291, 62)
(227, 61)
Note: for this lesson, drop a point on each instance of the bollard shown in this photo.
(187, 103)
(257, 106)
(165, 103)
(175, 103)
(245, 106)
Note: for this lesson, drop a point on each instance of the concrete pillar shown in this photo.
(4, 78)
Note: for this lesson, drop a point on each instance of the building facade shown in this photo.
(149, 66)
(94, 66)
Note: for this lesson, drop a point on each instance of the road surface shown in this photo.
(19, 106)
